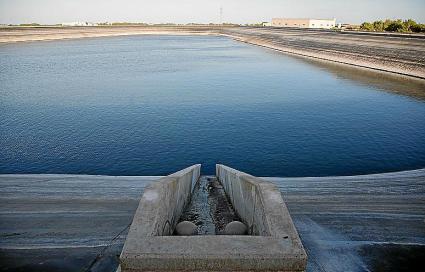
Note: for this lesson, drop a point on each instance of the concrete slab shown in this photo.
(211, 253)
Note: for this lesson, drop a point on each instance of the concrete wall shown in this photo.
(162, 204)
(258, 203)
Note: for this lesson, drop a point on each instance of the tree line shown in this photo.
(406, 26)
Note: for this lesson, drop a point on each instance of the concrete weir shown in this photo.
(272, 243)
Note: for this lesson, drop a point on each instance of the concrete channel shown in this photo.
(272, 243)
(209, 209)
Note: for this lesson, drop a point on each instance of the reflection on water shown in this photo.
(380, 80)
(151, 105)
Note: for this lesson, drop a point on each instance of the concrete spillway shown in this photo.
(273, 243)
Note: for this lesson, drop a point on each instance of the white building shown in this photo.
(304, 23)
(79, 24)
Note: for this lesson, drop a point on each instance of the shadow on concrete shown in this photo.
(393, 257)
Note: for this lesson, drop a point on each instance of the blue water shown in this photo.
(155, 104)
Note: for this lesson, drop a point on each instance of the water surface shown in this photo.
(151, 105)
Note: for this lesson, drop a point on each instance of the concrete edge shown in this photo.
(276, 214)
(161, 204)
(214, 253)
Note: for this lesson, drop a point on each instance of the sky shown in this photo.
(205, 11)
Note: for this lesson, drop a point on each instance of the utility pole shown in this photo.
(221, 15)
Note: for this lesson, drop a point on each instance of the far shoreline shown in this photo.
(400, 66)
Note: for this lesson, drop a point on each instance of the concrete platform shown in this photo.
(65, 222)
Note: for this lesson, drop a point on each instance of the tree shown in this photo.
(367, 26)
(409, 25)
(418, 28)
(31, 24)
(378, 26)
(387, 22)
(395, 26)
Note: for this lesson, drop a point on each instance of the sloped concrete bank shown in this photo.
(404, 56)
(32, 34)
(73, 222)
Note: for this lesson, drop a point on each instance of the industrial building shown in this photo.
(304, 23)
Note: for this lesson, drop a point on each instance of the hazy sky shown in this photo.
(204, 11)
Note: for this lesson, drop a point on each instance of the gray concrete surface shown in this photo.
(359, 223)
(65, 222)
(211, 253)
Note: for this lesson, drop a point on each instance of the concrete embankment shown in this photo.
(32, 34)
(65, 222)
(359, 223)
(397, 54)
(71, 222)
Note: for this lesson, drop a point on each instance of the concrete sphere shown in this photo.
(186, 228)
(235, 228)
